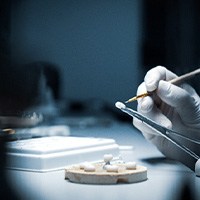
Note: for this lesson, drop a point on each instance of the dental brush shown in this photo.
(174, 81)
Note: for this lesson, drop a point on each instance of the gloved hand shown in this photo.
(175, 107)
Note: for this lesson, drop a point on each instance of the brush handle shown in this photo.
(184, 77)
(174, 81)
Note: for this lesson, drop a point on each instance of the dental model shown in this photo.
(106, 172)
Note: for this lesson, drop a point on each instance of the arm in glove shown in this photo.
(175, 107)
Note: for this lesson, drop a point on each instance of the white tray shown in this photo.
(56, 152)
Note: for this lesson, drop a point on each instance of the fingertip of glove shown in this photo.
(168, 124)
(164, 88)
(146, 104)
(150, 83)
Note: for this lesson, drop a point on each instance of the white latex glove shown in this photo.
(175, 107)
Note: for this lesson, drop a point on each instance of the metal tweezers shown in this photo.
(163, 131)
